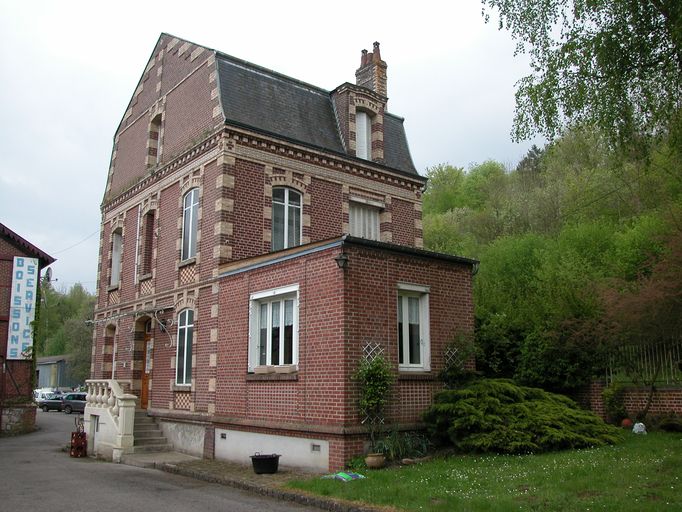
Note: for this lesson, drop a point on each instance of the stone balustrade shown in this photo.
(107, 400)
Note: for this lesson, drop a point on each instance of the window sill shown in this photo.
(144, 277)
(187, 262)
(182, 387)
(113, 287)
(416, 375)
(271, 377)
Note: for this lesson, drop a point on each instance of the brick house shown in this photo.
(20, 265)
(259, 236)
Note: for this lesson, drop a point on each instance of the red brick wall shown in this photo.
(371, 289)
(21, 371)
(402, 216)
(186, 87)
(189, 112)
(326, 209)
(665, 400)
(249, 199)
(312, 398)
(167, 253)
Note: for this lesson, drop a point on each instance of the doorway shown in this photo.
(148, 353)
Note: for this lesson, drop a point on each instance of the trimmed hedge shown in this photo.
(496, 415)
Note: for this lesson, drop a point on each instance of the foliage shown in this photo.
(616, 65)
(669, 422)
(457, 371)
(638, 475)
(614, 406)
(374, 378)
(399, 445)
(61, 328)
(495, 415)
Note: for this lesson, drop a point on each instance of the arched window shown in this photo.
(183, 365)
(116, 256)
(363, 135)
(190, 210)
(286, 218)
(147, 243)
(154, 142)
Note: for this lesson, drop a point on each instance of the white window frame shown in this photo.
(190, 209)
(185, 333)
(364, 219)
(287, 207)
(268, 297)
(406, 290)
(116, 257)
(363, 135)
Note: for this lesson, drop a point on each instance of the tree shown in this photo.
(614, 64)
(443, 190)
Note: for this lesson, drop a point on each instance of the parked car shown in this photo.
(74, 402)
(51, 402)
(42, 393)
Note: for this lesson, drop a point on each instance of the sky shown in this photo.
(69, 68)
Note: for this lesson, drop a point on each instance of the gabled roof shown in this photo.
(26, 246)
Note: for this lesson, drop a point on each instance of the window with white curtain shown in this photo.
(413, 327)
(274, 328)
(364, 221)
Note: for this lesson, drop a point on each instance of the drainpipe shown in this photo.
(2, 391)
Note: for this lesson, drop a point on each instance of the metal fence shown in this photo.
(646, 363)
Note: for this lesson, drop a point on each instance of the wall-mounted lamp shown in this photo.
(342, 260)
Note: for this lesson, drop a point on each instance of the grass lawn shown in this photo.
(642, 473)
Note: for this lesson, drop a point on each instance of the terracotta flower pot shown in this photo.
(626, 423)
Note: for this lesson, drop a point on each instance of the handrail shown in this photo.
(107, 397)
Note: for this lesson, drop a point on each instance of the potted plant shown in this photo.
(374, 378)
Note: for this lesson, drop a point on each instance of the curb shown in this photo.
(281, 494)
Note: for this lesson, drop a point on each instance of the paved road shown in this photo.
(36, 476)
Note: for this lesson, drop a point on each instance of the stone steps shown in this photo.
(148, 436)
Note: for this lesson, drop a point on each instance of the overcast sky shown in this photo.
(69, 69)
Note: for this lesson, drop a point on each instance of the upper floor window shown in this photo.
(146, 243)
(286, 218)
(274, 327)
(364, 221)
(116, 256)
(154, 141)
(190, 210)
(363, 135)
(183, 365)
(414, 350)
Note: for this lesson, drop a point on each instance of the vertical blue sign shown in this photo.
(22, 310)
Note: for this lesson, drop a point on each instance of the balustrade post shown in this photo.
(126, 422)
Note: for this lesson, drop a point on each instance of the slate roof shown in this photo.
(269, 102)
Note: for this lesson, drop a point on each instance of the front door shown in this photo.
(147, 365)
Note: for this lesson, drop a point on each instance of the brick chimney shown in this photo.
(372, 71)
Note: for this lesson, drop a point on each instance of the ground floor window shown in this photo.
(413, 327)
(183, 365)
(274, 327)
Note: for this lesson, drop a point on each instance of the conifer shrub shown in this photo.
(496, 415)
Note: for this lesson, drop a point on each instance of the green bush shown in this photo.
(495, 415)
(669, 422)
(613, 403)
(398, 445)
